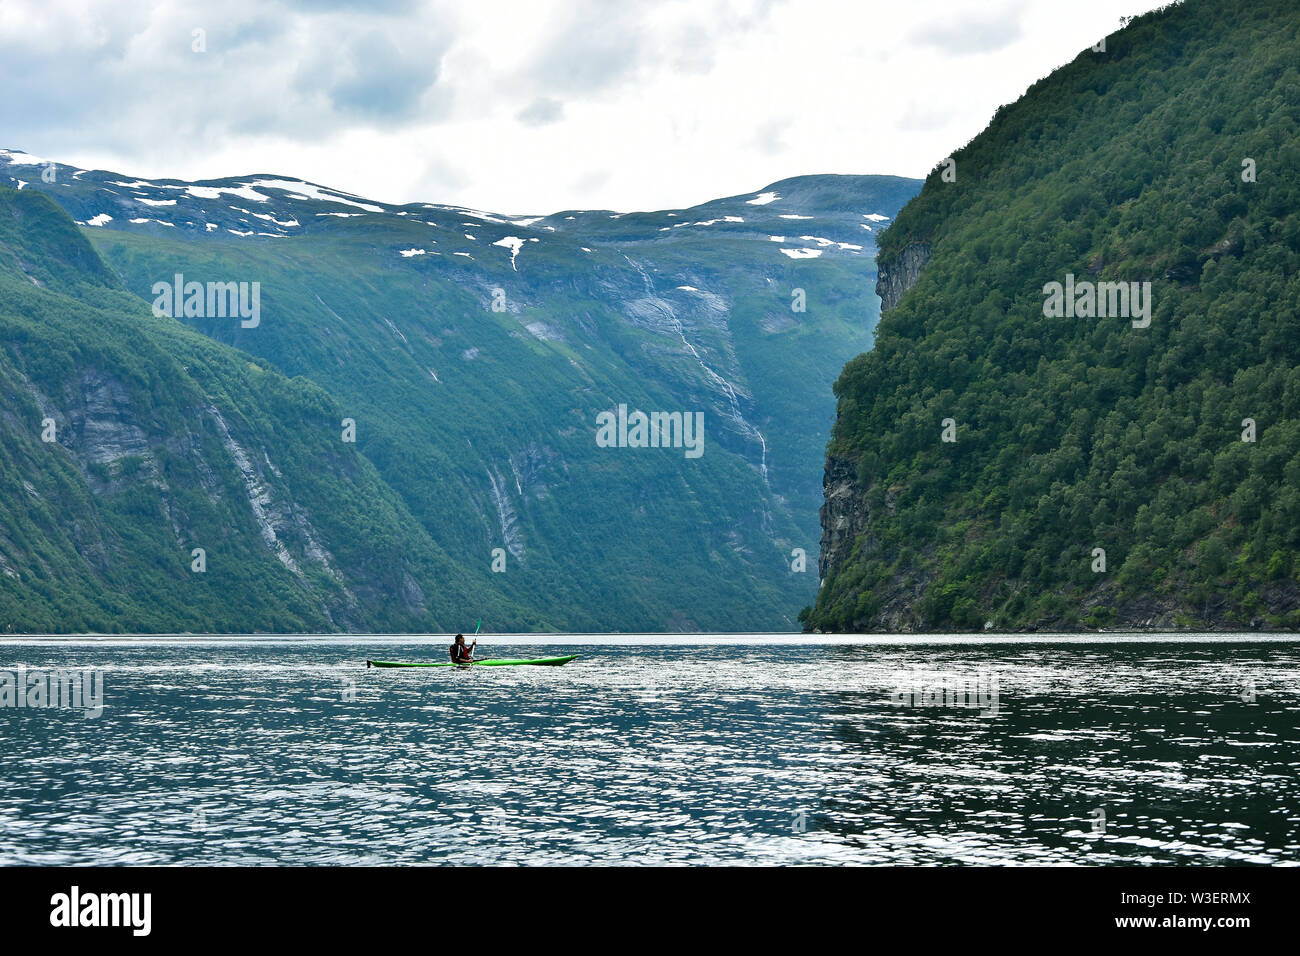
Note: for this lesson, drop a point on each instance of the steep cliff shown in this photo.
(899, 272)
(844, 515)
(154, 480)
(1083, 405)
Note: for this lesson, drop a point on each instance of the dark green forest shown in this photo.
(1170, 158)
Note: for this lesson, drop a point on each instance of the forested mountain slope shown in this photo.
(474, 351)
(1170, 158)
(129, 441)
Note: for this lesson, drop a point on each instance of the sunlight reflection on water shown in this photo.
(651, 750)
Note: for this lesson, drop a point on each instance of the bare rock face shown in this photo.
(895, 277)
(844, 513)
(845, 516)
(107, 432)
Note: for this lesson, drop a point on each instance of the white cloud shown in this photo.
(525, 107)
(972, 31)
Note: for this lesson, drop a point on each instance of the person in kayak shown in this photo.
(460, 654)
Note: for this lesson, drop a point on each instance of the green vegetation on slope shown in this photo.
(150, 423)
(475, 427)
(1081, 433)
(484, 421)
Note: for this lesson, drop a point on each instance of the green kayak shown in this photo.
(507, 662)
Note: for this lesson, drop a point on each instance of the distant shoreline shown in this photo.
(702, 639)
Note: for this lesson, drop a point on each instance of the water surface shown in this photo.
(1093, 750)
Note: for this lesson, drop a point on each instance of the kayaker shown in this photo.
(460, 654)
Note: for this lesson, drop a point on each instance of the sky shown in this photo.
(525, 106)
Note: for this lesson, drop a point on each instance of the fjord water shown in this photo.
(773, 750)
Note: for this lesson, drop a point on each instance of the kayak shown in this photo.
(500, 662)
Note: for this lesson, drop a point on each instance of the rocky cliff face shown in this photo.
(896, 276)
(845, 515)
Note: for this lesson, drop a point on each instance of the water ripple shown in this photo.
(876, 752)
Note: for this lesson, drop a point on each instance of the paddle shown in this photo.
(475, 642)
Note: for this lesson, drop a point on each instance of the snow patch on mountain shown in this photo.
(831, 242)
(215, 192)
(484, 217)
(311, 191)
(18, 158)
(289, 223)
(140, 184)
(514, 244)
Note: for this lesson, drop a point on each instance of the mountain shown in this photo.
(472, 354)
(128, 441)
(1111, 466)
